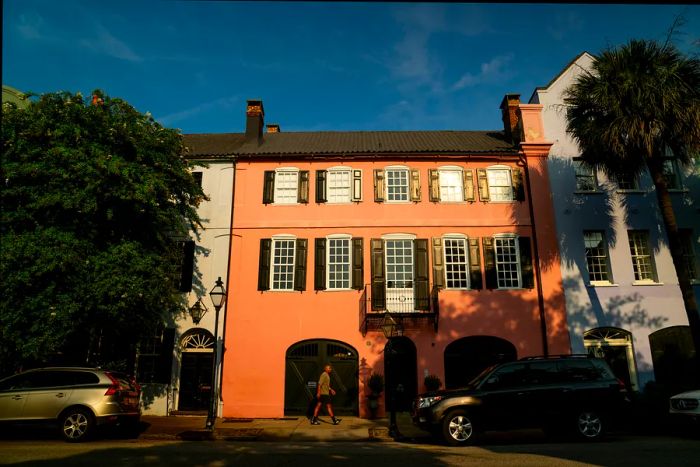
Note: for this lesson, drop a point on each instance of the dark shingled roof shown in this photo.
(212, 144)
(351, 142)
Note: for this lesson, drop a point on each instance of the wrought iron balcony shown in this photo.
(408, 310)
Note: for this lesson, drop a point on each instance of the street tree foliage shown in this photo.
(95, 198)
(636, 108)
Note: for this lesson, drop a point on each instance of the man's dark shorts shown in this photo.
(325, 399)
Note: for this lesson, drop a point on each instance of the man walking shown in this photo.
(324, 391)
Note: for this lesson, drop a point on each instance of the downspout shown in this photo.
(228, 275)
(536, 258)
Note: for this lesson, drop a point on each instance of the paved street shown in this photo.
(520, 449)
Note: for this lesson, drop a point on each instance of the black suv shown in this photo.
(574, 393)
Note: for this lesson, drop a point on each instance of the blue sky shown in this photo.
(316, 66)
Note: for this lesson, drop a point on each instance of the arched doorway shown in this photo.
(304, 363)
(673, 355)
(400, 372)
(197, 347)
(615, 346)
(465, 358)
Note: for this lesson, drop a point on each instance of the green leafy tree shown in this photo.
(95, 198)
(639, 104)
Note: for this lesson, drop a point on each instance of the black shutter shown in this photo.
(269, 187)
(358, 263)
(264, 264)
(528, 276)
(490, 263)
(378, 275)
(518, 188)
(357, 185)
(438, 263)
(165, 359)
(187, 266)
(421, 282)
(303, 188)
(475, 280)
(321, 186)
(320, 264)
(300, 264)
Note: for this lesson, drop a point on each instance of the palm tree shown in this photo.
(639, 104)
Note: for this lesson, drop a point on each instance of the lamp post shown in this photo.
(391, 329)
(197, 311)
(218, 296)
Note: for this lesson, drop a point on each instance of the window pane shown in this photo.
(286, 183)
(500, 186)
(399, 260)
(585, 177)
(507, 262)
(397, 185)
(688, 253)
(451, 185)
(456, 264)
(596, 256)
(627, 183)
(641, 255)
(339, 186)
(670, 171)
(339, 263)
(283, 265)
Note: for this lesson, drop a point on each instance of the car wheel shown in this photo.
(77, 424)
(458, 428)
(589, 425)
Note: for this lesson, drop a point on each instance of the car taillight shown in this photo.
(113, 388)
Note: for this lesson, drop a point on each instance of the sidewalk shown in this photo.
(292, 429)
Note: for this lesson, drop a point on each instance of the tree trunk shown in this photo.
(674, 243)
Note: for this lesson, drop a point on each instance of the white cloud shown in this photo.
(492, 71)
(221, 103)
(106, 43)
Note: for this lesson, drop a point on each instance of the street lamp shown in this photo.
(218, 296)
(391, 329)
(197, 311)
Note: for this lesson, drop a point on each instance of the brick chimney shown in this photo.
(511, 117)
(254, 121)
(273, 128)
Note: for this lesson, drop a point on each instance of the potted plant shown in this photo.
(432, 383)
(375, 383)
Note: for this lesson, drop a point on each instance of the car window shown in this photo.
(579, 370)
(543, 373)
(14, 382)
(79, 378)
(507, 377)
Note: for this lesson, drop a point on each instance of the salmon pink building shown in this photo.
(440, 242)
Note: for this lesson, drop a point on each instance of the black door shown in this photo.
(400, 370)
(195, 380)
(305, 362)
(467, 357)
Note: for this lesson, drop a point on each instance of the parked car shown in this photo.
(684, 408)
(78, 399)
(578, 394)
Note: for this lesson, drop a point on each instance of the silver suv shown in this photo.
(78, 399)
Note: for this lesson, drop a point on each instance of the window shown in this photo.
(197, 178)
(642, 261)
(339, 186)
(456, 263)
(286, 185)
(500, 184)
(154, 357)
(507, 262)
(627, 182)
(596, 256)
(397, 184)
(672, 174)
(282, 264)
(451, 184)
(338, 263)
(689, 260)
(585, 177)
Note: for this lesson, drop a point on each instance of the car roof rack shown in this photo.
(555, 357)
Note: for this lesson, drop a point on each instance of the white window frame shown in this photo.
(387, 185)
(333, 172)
(273, 257)
(639, 259)
(329, 240)
(282, 195)
(516, 247)
(634, 184)
(672, 170)
(495, 193)
(465, 243)
(605, 257)
(444, 187)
